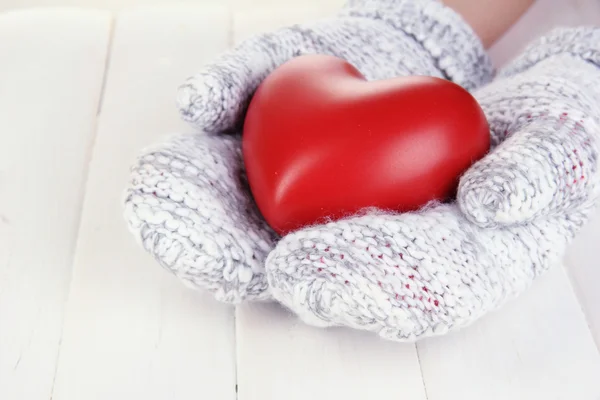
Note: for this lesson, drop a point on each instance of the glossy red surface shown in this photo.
(320, 142)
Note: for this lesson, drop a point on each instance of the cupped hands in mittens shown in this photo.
(403, 276)
(188, 202)
(188, 206)
(415, 275)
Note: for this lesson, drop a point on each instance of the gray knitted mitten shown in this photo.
(188, 202)
(421, 274)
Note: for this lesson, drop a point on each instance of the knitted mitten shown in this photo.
(419, 274)
(188, 201)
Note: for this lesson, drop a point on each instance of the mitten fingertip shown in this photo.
(203, 102)
(186, 94)
(479, 205)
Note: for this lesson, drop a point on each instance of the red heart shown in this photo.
(320, 142)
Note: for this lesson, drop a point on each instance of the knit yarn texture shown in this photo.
(188, 202)
(402, 276)
(409, 276)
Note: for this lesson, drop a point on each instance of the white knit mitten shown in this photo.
(188, 202)
(420, 274)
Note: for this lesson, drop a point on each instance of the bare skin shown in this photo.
(490, 19)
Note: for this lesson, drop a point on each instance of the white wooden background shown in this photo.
(85, 314)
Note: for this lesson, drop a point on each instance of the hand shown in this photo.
(188, 206)
(382, 38)
(188, 202)
(421, 274)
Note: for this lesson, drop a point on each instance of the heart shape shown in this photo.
(320, 142)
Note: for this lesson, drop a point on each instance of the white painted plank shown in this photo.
(537, 346)
(280, 357)
(51, 71)
(132, 331)
(113, 5)
(117, 5)
(277, 5)
(584, 269)
(248, 21)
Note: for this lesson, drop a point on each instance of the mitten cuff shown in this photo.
(457, 50)
(582, 42)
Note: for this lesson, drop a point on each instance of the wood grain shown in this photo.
(584, 269)
(280, 357)
(118, 5)
(132, 331)
(537, 346)
(50, 83)
(248, 21)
